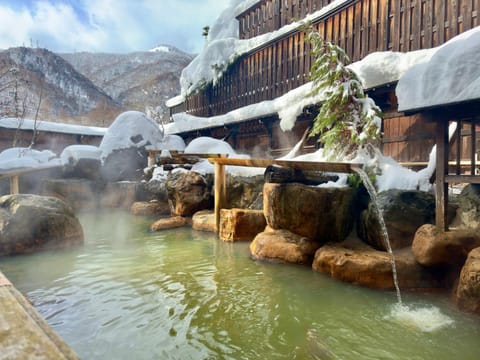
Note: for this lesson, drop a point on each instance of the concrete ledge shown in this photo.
(24, 334)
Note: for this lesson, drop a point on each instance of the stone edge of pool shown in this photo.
(23, 332)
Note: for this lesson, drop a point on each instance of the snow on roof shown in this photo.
(223, 45)
(451, 75)
(28, 124)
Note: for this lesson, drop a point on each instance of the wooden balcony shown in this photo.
(358, 26)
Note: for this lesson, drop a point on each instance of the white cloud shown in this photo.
(108, 25)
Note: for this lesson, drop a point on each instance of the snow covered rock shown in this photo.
(283, 246)
(403, 212)
(30, 222)
(467, 295)
(188, 192)
(81, 161)
(124, 145)
(318, 213)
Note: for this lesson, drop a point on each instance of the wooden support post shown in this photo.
(441, 187)
(220, 190)
(14, 188)
(152, 158)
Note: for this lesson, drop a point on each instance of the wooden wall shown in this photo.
(360, 27)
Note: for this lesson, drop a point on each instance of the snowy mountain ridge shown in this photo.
(87, 88)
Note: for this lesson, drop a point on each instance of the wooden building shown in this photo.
(360, 27)
(49, 136)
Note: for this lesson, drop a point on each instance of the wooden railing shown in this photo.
(361, 27)
(270, 15)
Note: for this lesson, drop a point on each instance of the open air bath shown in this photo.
(184, 294)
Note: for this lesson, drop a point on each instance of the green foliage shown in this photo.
(348, 119)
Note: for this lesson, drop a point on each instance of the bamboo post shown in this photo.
(220, 189)
(14, 188)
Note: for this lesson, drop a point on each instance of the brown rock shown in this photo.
(188, 192)
(30, 222)
(403, 213)
(150, 208)
(119, 195)
(358, 263)
(170, 223)
(240, 224)
(320, 214)
(204, 220)
(433, 247)
(283, 246)
(467, 295)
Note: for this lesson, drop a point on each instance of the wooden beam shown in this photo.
(220, 192)
(14, 188)
(335, 167)
(441, 190)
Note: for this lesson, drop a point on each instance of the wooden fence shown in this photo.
(360, 27)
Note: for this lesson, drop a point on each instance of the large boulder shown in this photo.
(317, 213)
(467, 294)
(188, 192)
(240, 224)
(30, 222)
(433, 247)
(356, 262)
(403, 212)
(283, 246)
(469, 206)
(245, 192)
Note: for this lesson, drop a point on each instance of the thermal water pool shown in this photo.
(182, 294)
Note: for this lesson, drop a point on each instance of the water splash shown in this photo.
(425, 319)
(373, 196)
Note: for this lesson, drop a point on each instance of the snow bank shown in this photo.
(19, 157)
(131, 129)
(451, 75)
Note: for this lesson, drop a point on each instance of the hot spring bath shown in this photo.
(182, 294)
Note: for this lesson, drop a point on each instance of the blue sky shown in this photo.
(106, 25)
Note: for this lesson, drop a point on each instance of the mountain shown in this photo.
(87, 88)
(138, 80)
(37, 80)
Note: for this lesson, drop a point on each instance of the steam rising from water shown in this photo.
(425, 319)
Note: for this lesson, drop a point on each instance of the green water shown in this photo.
(183, 294)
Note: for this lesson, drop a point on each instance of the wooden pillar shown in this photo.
(441, 187)
(152, 158)
(220, 191)
(14, 188)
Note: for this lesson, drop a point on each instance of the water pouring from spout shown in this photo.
(373, 196)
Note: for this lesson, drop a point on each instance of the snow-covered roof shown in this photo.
(28, 124)
(223, 45)
(425, 77)
(450, 75)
